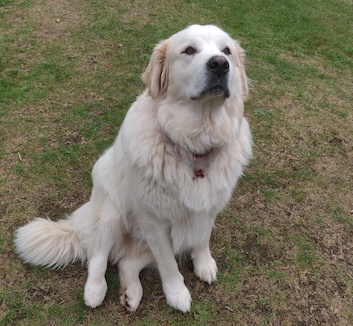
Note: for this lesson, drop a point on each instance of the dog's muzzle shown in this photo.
(217, 77)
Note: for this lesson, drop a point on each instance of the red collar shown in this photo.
(200, 164)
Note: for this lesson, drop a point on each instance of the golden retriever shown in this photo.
(172, 169)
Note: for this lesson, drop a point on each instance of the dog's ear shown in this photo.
(239, 61)
(156, 74)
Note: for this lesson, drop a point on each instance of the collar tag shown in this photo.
(200, 163)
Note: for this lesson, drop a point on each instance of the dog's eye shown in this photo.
(226, 51)
(190, 50)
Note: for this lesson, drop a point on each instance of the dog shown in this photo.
(172, 168)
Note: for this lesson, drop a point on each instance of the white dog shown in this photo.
(172, 169)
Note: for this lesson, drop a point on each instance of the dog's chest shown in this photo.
(203, 185)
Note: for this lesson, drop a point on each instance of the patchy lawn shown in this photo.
(69, 70)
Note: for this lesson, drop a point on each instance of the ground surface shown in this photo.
(69, 70)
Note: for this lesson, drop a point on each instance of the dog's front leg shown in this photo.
(96, 285)
(160, 243)
(102, 240)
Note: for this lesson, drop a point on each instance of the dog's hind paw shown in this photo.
(131, 297)
(206, 270)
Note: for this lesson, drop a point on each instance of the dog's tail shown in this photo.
(51, 244)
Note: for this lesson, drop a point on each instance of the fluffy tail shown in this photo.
(47, 243)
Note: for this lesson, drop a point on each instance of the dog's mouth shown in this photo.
(215, 86)
(216, 90)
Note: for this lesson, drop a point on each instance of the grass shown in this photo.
(69, 70)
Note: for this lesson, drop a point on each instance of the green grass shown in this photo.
(68, 73)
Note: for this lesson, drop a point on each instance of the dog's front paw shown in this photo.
(131, 296)
(178, 297)
(206, 269)
(95, 292)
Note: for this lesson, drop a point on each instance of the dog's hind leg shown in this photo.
(104, 237)
(205, 266)
(130, 267)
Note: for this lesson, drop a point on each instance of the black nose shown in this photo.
(218, 65)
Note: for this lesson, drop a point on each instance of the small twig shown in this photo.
(350, 276)
(229, 308)
(19, 156)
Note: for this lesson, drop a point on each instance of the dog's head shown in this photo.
(197, 63)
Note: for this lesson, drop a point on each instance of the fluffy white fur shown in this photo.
(146, 204)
